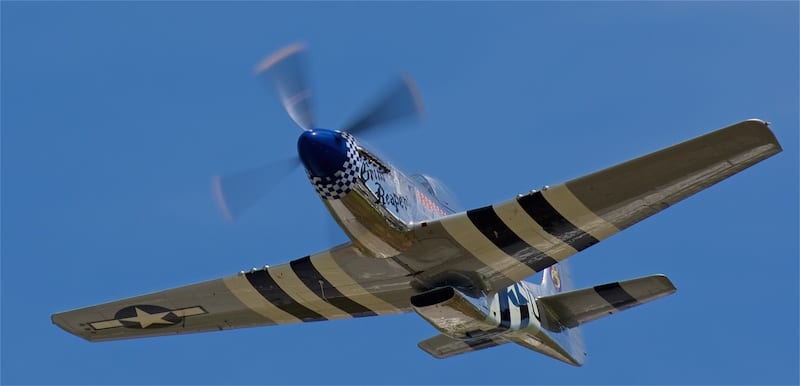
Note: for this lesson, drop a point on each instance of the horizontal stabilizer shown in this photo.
(442, 346)
(573, 308)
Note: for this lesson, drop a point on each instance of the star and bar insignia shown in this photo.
(147, 316)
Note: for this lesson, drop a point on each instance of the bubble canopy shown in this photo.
(439, 191)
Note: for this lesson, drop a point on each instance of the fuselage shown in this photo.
(377, 205)
(374, 202)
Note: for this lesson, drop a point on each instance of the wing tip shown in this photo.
(59, 320)
(766, 131)
(665, 281)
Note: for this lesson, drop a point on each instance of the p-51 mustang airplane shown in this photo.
(410, 249)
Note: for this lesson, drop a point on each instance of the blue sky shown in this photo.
(115, 116)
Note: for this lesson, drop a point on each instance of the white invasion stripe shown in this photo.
(494, 308)
(333, 273)
(531, 232)
(572, 209)
(249, 296)
(465, 233)
(361, 234)
(285, 277)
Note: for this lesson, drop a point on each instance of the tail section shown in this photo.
(468, 325)
(563, 311)
(442, 346)
(548, 344)
(568, 310)
(556, 278)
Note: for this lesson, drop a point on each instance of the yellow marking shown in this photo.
(334, 274)
(106, 324)
(146, 319)
(294, 287)
(555, 277)
(465, 233)
(182, 313)
(531, 232)
(244, 291)
(278, 56)
(572, 209)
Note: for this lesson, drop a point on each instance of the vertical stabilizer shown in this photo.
(556, 279)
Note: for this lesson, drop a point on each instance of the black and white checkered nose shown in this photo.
(331, 161)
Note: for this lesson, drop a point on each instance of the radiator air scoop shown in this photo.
(454, 313)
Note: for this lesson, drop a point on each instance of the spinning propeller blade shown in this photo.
(401, 101)
(237, 192)
(286, 71)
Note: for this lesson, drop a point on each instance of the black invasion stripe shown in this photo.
(524, 315)
(314, 280)
(614, 294)
(489, 223)
(481, 343)
(554, 223)
(505, 312)
(270, 290)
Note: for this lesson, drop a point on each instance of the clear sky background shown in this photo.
(115, 116)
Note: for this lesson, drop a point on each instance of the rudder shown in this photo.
(556, 279)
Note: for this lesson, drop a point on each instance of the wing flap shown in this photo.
(573, 308)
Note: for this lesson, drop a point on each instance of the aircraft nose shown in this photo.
(322, 152)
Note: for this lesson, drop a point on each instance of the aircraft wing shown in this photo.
(335, 284)
(500, 244)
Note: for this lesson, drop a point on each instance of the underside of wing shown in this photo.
(497, 245)
(335, 284)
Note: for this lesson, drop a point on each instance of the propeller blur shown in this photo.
(285, 71)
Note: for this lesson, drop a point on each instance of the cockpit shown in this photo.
(438, 191)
